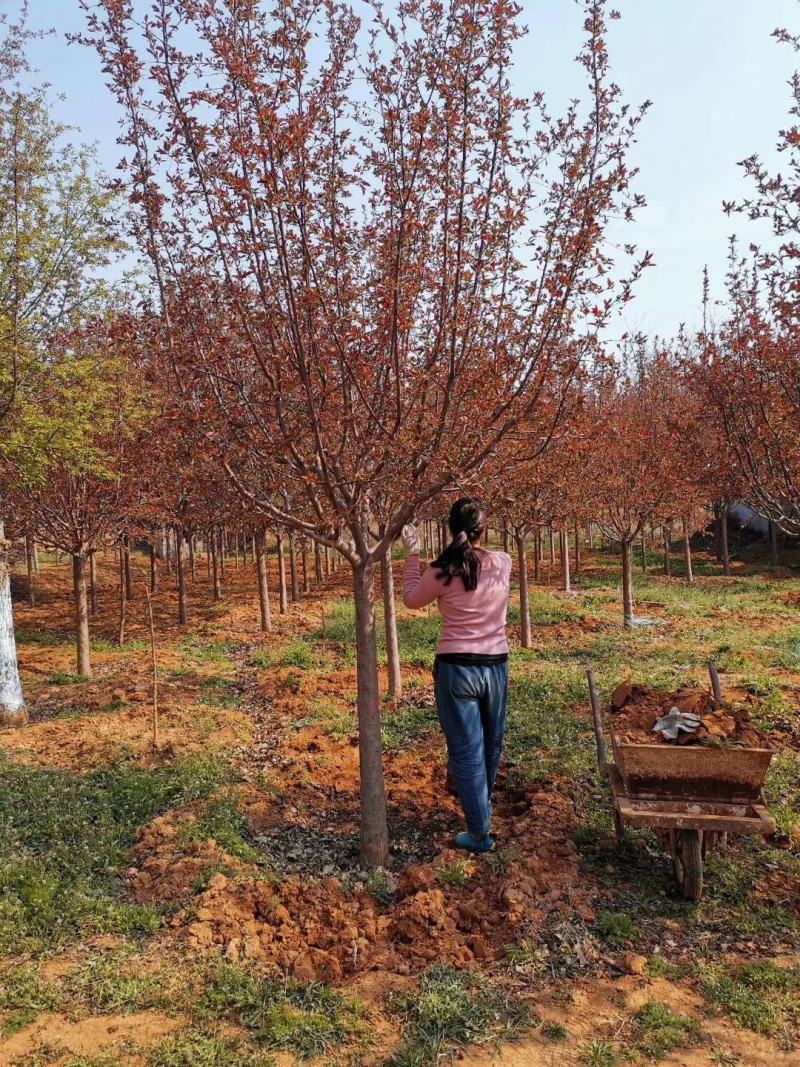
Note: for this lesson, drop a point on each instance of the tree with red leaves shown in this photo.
(368, 251)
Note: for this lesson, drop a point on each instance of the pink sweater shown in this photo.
(472, 622)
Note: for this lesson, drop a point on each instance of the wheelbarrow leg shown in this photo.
(687, 861)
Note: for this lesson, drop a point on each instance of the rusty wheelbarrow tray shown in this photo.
(692, 797)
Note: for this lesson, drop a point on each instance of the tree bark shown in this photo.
(390, 626)
(552, 538)
(215, 566)
(644, 552)
(524, 605)
(304, 561)
(293, 569)
(317, 564)
(723, 537)
(627, 583)
(35, 549)
(687, 550)
(282, 597)
(153, 569)
(773, 544)
(81, 615)
(565, 574)
(127, 556)
(578, 553)
(668, 551)
(92, 584)
(183, 615)
(190, 539)
(259, 546)
(12, 705)
(374, 832)
(537, 556)
(505, 536)
(123, 600)
(223, 544)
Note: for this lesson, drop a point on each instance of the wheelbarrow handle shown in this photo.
(598, 725)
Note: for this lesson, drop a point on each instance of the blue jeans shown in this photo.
(471, 702)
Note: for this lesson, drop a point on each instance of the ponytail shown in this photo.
(460, 559)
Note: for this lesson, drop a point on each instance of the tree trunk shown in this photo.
(552, 538)
(390, 626)
(208, 554)
(35, 549)
(92, 584)
(293, 569)
(374, 832)
(81, 615)
(29, 564)
(12, 706)
(627, 583)
(687, 550)
(191, 556)
(282, 597)
(505, 536)
(214, 544)
(578, 553)
(221, 553)
(723, 536)
(153, 569)
(565, 575)
(644, 552)
(327, 562)
(773, 544)
(183, 615)
(668, 551)
(524, 606)
(259, 547)
(537, 556)
(304, 561)
(317, 564)
(717, 534)
(127, 556)
(123, 600)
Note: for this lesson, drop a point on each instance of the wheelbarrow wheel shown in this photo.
(619, 828)
(687, 860)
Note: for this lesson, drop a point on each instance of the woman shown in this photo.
(471, 586)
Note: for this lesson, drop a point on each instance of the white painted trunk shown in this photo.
(12, 706)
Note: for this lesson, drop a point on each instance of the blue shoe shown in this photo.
(474, 844)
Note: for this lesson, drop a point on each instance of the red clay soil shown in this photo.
(634, 709)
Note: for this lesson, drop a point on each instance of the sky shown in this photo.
(716, 78)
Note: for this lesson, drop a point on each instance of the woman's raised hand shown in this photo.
(410, 540)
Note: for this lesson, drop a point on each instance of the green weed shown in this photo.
(658, 1030)
(310, 1020)
(759, 997)
(197, 1049)
(456, 873)
(23, 996)
(452, 1009)
(64, 837)
(617, 928)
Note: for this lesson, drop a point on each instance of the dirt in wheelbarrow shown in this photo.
(634, 710)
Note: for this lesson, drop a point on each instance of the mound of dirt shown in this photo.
(634, 709)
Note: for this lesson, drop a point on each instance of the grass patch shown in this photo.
(219, 692)
(310, 1020)
(759, 997)
(216, 653)
(406, 724)
(598, 1054)
(197, 1049)
(658, 1030)
(455, 873)
(64, 837)
(115, 983)
(452, 1009)
(23, 996)
(617, 928)
(66, 678)
(783, 792)
(220, 820)
(45, 638)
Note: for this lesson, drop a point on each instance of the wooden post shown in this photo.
(687, 550)
(716, 688)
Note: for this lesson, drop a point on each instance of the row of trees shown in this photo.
(370, 274)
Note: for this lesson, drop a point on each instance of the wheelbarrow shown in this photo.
(692, 796)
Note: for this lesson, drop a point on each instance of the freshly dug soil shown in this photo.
(634, 710)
